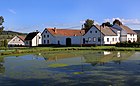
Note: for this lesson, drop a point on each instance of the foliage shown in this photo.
(1, 21)
(107, 24)
(88, 24)
(117, 22)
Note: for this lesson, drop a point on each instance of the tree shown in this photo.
(1, 21)
(117, 22)
(5, 43)
(107, 24)
(88, 24)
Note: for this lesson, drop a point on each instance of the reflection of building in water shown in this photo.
(118, 54)
(2, 68)
(107, 52)
(104, 57)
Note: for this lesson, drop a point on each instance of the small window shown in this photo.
(39, 37)
(44, 36)
(14, 40)
(89, 39)
(107, 39)
(99, 39)
(48, 42)
(113, 39)
(95, 31)
(133, 39)
(48, 36)
(94, 39)
(44, 41)
(46, 31)
(90, 31)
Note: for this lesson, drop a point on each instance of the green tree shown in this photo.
(5, 43)
(88, 24)
(107, 24)
(1, 21)
(117, 22)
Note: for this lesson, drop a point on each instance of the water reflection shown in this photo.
(82, 68)
(2, 68)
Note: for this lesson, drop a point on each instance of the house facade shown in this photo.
(17, 41)
(100, 35)
(33, 39)
(126, 34)
(62, 36)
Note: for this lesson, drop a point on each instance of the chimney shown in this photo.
(55, 31)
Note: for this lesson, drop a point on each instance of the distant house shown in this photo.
(100, 35)
(62, 36)
(17, 41)
(126, 34)
(33, 39)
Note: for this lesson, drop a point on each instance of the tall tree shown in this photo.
(88, 24)
(1, 21)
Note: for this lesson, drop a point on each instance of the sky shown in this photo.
(31, 15)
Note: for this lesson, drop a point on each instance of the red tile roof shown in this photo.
(21, 37)
(107, 31)
(65, 32)
(127, 29)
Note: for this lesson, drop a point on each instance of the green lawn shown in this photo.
(26, 50)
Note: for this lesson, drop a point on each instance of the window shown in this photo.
(89, 39)
(99, 39)
(44, 41)
(39, 37)
(48, 36)
(44, 36)
(133, 39)
(107, 39)
(19, 39)
(46, 31)
(14, 40)
(90, 31)
(48, 41)
(113, 39)
(94, 39)
(95, 31)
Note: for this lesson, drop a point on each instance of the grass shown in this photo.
(26, 50)
(57, 65)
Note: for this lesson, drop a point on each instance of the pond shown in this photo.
(71, 68)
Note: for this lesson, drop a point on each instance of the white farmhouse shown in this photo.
(62, 36)
(17, 41)
(33, 39)
(100, 35)
(126, 34)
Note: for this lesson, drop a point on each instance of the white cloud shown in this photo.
(124, 21)
(12, 11)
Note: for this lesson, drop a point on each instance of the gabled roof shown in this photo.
(65, 32)
(127, 29)
(21, 37)
(30, 36)
(107, 31)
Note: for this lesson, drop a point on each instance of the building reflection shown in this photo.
(2, 68)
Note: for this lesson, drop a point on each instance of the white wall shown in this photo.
(37, 40)
(92, 35)
(116, 39)
(62, 39)
(132, 37)
(16, 41)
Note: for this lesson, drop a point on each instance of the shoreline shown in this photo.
(20, 51)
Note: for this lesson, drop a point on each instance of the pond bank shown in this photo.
(18, 51)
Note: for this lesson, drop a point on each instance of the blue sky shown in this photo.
(31, 15)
